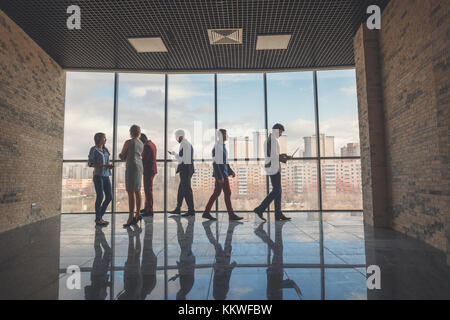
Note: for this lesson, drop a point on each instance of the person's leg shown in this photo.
(131, 202)
(180, 195)
(227, 195)
(146, 190)
(138, 198)
(270, 197)
(98, 184)
(185, 183)
(189, 196)
(150, 194)
(214, 196)
(108, 194)
(276, 185)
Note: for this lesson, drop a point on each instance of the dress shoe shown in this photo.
(281, 217)
(189, 214)
(176, 211)
(101, 224)
(259, 213)
(207, 215)
(234, 217)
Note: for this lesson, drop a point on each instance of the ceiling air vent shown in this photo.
(225, 36)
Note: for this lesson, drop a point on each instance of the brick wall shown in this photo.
(32, 89)
(414, 56)
(371, 128)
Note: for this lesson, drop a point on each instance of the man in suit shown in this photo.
(185, 158)
(273, 170)
(221, 171)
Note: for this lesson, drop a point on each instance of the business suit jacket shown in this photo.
(223, 169)
(184, 165)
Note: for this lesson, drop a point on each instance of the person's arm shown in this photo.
(217, 169)
(91, 160)
(123, 154)
(233, 174)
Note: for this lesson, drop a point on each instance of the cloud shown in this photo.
(350, 91)
(345, 129)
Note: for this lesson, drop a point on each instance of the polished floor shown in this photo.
(313, 256)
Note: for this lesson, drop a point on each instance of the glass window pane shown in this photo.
(299, 184)
(290, 101)
(341, 184)
(338, 113)
(78, 191)
(248, 188)
(141, 102)
(202, 183)
(191, 108)
(89, 109)
(122, 195)
(240, 110)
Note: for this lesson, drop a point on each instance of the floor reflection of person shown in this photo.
(149, 261)
(222, 266)
(186, 264)
(99, 274)
(275, 272)
(132, 278)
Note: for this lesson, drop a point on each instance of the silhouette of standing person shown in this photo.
(186, 264)
(185, 159)
(132, 278)
(149, 261)
(273, 170)
(275, 272)
(99, 274)
(221, 172)
(222, 266)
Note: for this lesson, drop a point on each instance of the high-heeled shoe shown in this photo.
(127, 225)
(138, 218)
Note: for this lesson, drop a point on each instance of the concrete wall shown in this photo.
(412, 60)
(32, 92)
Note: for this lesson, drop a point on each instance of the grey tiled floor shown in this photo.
(313, 256)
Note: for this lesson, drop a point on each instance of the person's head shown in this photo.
(100, 139)
(179, 135)
(144, 138)
(278, 128)
(223, 132)
(135, 131)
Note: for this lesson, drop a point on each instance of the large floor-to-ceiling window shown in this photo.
(318, 109)
(319, 112)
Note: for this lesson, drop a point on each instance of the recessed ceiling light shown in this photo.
(273, 42)
(154, 44)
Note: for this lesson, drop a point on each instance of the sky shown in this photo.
(240, 103)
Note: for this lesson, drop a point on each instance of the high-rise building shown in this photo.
(350, 150)
(259, 137)
(326, 144)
